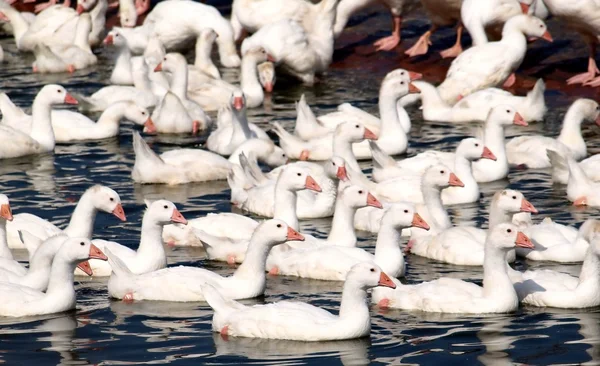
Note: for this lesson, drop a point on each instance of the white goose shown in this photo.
(41, 140)
(299, 321)
(392, 88)
(491, 64)
(94, 199)
(560, 169)
(150, 255)
(547, 288)
(477, 16)
(333, 262)
(184, 283)
(122, 68)
(476, 107)
(450, 295)
(60, 296)
(581, 190)
(7, 262)
(530, 151)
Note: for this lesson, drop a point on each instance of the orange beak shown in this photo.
(270, 58)
(312, 184)
(454, 181)
(70, 100)
(373, 202)
(108, 40)
(119, 212)
(178, 217)
(96, 253)
(547, 36)
(293, 235)
(342, 174)
(523, 241)
(519, 120)
(414, 75)
(238, 103)
(524, 8)
(413, 89)
(487, 154)
(526, 206)
(369, 135)
(149, 126)
(86, 268)
(269, 87)
(158, 67)
(419, 222)
(80, 9)
(386, 281)
(5, 212)
(581, 201)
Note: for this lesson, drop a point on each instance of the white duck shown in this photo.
(233, 127)
(41, 140)
(440, 13)
(150, 255)
(475, 107)
(182, 166)
(450, 295)
(40, 264)
(301, 52)
(299, 321)
(96, 198)
(491, 64)
(333, 262)
(141, 93)
(405, 185)
(477, 16)
(530, 151)
(184, 283)
(547, 288)
(393, 87)
(484, 170)
(339, 143)
(169, 116)
(60, 296)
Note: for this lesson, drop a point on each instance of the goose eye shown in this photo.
(541, 26)
(514, 197)
(509, 231)
(82, 243)
(278, 225)
(112, 199)
(332, 163)
(165, 206)
(372, 269)
(283, 155)
(59, 91)
(299, 174)
(405, 211)
(360, 192)
(442, 172)
(402, 83)
(357, 126)
(507, 111)
(143, 113)
(402, 73)
(476, 145)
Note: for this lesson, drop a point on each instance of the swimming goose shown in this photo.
(183, 283)
(60, 296)
(122, 70)
(530, 151)
(450, 295)
(299, 321)
(7, 261)
(491, 64)
(94, 199)
(477, 16)
(560, 169)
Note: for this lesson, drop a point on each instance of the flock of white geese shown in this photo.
(401, 198)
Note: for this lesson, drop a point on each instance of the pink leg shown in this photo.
(457, 49)
(389, 43)
(195, 127)
(274, 271)
(142, 6)
(510, 81)
(225, 333)
(384, 303)
(592, 69)
(171, 243)
(128, 298)
(39, 7)
(71, 68)
(409, 246)
(231, 259)
(422, 45)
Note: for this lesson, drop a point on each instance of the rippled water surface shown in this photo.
(112, 332)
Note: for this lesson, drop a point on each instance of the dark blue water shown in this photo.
(111, 332)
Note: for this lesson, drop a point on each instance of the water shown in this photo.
(111, 332)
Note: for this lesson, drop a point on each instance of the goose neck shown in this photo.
(495, 276)
(41, 129)
(253, 267)
(84, 26)
(4, 250)
(343, 148)
(61, 277)
(113, 114)
(354, 303)
(570, 133)
(123, 58)
(390, 121)
(388, 255)
(82, 219)
(590, 270)
(433, 201)
(18, 23)
(342, 227)
(498, 216)
(151, 239)
(141, 80)
(240, 125)
(179, 82)
(285, 206)
(249, 81)
(464, 171)
(494, 139)
(203, 50)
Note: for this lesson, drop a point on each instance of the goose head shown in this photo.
(115, 38)
(238, 100)
(473, 149)
(590, 230)
(275, 157)
(530, 26)
(504, 115)
(164, 212)
(265, 150)
(56, 94)
(440, 177)
(403, 74)
(368, 275)
(399, 87)
(294, 179)
(335, 168)
(138, 115)
(171, 62)
(85, 5)
(512, 201)
(506, 236)
(107, 200)
(358, 197)
(78, 251)
(273, 232)
(403, 215)
(354, 132)
(266, 75)
(5, 211)
(587, 110)
(258, 54)
(46, 250)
